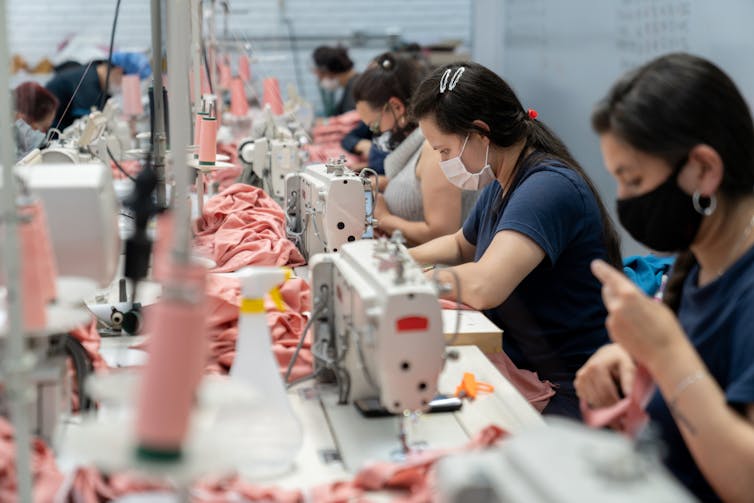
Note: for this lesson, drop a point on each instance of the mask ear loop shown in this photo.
(463, 147)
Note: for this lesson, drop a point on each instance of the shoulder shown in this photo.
(554, 183)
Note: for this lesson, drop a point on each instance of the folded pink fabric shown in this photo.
(414, 476)
(627, 415)
(224, 300)
(335, 128)
(243, 226)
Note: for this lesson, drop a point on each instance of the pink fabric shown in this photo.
(90, 339)
(234, 489)
(46, 476)
(627, 415)
(243, 226)
(224, 300)
(326, 137)
(414, 476)
(536, 392)
(226, 177)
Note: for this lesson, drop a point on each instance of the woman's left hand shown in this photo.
(645, 328)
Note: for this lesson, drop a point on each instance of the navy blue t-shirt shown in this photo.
(89, 94)
(555, 319)
(719, 320)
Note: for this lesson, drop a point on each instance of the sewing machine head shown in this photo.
(327, 207)
(380, 331)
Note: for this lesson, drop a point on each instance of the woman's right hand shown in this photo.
(598, 380)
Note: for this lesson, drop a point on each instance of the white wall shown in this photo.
(36, 27)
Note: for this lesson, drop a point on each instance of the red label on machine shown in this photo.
(412, 324)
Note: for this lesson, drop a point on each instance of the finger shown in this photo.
(626, 374)
(596, 386)
(611, 277)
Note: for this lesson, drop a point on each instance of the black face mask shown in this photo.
(663, 219)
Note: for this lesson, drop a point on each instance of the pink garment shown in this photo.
(536, 392)
(224, 300)
(226, 177)
(90, 339)
(46, 477)
(243, 226)
(326, 137)
(627, 415)
(234, 489)
(322, 152)
(415, 476)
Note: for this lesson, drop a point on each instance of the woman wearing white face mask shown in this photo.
(334, 70)
(523, 253)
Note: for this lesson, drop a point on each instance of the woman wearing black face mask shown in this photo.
(678, 137)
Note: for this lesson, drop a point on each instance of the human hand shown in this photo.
(646, 329)
(362, 147)
(597, 381)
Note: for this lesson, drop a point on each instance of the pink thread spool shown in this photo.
(177, 356)
(208, 142)
(244, 68)
(198, 127)
(239, 105)
(271, 95)
(162, 246)
(38, 270)
(132, 104)
(225, 76)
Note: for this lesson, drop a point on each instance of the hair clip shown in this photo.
(449, 83)
(386, 63)
(532, 113)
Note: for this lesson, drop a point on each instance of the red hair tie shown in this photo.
(532, 113)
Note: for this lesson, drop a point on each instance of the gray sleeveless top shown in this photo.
(403, 192)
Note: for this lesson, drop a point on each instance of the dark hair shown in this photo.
(480, 94)
(332, 59)
(34, 101)
(389, 75)
(668, 106)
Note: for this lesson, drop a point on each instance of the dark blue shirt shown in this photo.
(63, 86)
(376, 156)
(555, 319)
(719, 320)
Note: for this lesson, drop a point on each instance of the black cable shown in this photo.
(294, 53)
(117, 165)
(110, 56)
(206, 68)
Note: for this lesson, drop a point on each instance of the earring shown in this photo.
(709, 210)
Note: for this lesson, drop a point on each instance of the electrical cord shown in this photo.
(207, 69)
(321, 305)
(294, 53)
(103, 98)
(117, 165)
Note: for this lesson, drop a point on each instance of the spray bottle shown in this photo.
(272, 429)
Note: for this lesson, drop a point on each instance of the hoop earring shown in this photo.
(709, 210)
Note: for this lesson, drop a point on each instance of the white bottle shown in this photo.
(272, 434)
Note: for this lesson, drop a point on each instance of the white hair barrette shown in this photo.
(448, 83)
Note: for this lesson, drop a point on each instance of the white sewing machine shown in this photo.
(562, 462)
(327, 207)
(82, 215)
(382, 325)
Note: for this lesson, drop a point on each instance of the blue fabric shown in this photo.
(555, 319)
(647, 271)
(376, 156)
(718, 319)
(132, 63)
(63, 85)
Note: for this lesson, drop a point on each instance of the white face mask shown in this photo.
(329, 84)
(461, 177)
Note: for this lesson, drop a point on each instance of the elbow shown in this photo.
(478, 295)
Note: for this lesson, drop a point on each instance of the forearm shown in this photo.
(443, 250)
(720, 440)
(415, 232)
(466, 285)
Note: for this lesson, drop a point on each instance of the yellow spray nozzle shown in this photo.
(277, 298)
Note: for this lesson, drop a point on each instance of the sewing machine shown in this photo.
(82, 215)
(327, 207)
(565, 462)
(382, 325)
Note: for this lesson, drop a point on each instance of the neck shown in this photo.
(503, 162)
(343, 78)
(102, 74)
(722, 238)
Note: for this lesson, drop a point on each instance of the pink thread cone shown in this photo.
(177, 354)
(239, 105)
(198, 127)
(225, 76)
(271, 95)
(162, 246)
(208, 141)
(38, 270)
(244, 68)
(132, 104)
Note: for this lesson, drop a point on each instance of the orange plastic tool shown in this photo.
(470, 387)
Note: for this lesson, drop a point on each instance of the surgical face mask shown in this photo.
(329, 84)
(374, 127)
(664, 219)
(461, 177)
